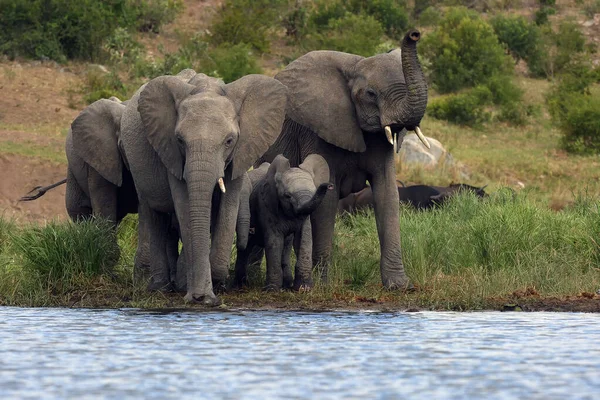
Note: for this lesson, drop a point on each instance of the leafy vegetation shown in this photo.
(459, 256)
(74, 29)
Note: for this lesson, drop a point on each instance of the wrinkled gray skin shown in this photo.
(339, 105)
(179, 139)
(281, 202)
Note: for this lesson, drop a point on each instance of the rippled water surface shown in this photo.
(118, 354)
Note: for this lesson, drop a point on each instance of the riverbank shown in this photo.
(503, 253)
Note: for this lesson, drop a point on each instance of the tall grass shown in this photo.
(459, 256)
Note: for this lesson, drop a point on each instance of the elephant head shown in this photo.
(94, 137)
(208, 133)
(300, 190)
(340, 96)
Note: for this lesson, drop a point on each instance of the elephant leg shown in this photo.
(103, 196)
(288, 278)
(184, 260)
(273, 251)
(241, 265)
(254, 263)
(323, 224)
(224, 232)
(156, 227)
(173, 248)
(77, 202)
(385, 201)
(303, 249)
(141, 263)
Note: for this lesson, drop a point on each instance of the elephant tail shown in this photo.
(41, 190)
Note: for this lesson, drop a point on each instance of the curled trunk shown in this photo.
(411, 108)
(310, 205)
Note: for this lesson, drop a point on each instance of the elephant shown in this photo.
(418, 196)
(350, 110)
(183, 140)
(281, 202)
(98, 181)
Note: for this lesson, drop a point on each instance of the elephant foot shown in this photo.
(220, 287)
(288, 283)
(402, 284)
(209, 300)
(271, 287)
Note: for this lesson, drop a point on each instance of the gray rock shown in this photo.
(413, 151)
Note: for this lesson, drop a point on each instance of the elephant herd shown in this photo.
(178, 154)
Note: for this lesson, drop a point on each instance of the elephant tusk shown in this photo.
(422, 137)
(221, 185)
(388, 135)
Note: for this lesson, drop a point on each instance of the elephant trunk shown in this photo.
(201, 179)
(310, 204)
(242, 228)
(411, 109)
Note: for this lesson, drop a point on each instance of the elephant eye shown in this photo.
(179, 139)
(371, 93)
(229, 142)
(287, 196)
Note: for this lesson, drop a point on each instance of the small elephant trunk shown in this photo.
(309, 206)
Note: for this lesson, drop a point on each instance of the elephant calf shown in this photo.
(281, 201)
(418, 196)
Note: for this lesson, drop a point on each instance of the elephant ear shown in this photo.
(261, 103)
(277, 168)
(320, 97)
(95, 138)
(317, 167)
(157, 106)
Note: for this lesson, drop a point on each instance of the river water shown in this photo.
(121, 354)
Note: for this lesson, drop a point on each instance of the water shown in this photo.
(120, 354)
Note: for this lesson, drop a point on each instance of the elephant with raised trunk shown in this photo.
(182, 142)
(351, 110)
(281, 202)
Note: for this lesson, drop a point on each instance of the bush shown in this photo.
(431, 16)
(357, 34)
(467, 108)
(63, 254)
(504, 91)
(234, 61)
(592, 8)
(557, 49)
(152, 14)
(520, 37)
(246, 21)
(72, 29)
(464, 52)
(391, 14)
(101, 85)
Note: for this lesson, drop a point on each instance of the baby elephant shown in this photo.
(281, 201)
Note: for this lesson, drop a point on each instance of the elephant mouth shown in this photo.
(392, 132)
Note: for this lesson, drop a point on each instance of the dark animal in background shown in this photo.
(418, 196)
(281, 201)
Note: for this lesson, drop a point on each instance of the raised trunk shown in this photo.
(309, 206)
(200, 180)
(410, 109)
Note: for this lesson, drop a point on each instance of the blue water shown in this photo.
(122, 354)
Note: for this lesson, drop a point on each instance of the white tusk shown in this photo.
(422, 137)
(395, 140)
(221, 185)
(388, 135)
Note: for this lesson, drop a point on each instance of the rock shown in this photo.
(413, 151)
(589, 23)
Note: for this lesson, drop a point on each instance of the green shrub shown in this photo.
(101, 85)
(466, 108)
(464, 51)
(580, 124)
(357, 34)
(557, 49)
(123, 49)
(234, 61)
(63, 254)
(391, 14)
(246, 21)
(520, 37)
(513, 113)
(503, 90)
(546, 9)
(73, 29)
(431, 16)
(152, 14)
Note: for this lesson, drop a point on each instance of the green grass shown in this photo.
(31, 149)
(461, 256)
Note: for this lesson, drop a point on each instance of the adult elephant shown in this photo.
(349, 109)
(184, 140)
